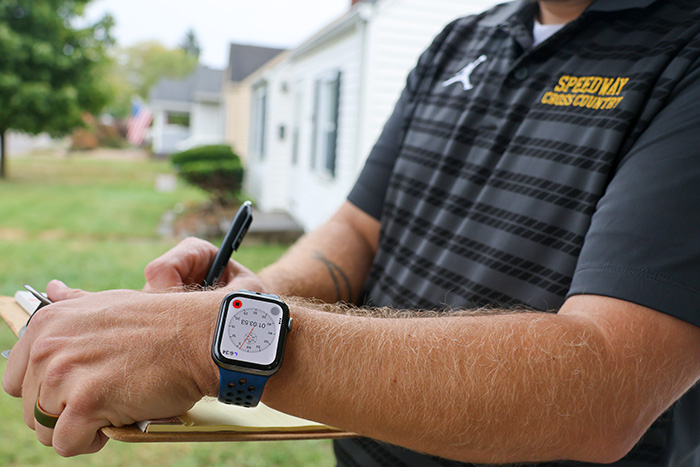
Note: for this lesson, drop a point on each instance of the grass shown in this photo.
(91, 222)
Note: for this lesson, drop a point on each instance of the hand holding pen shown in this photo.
(232, 239)
(231, 242)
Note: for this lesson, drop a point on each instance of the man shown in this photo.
(558, 176)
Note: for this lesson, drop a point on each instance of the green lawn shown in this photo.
(92, 223)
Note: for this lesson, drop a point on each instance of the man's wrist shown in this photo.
(198, 323)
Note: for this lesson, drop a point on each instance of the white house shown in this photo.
(188, 112)
(317, 113)
(244, 60)
(270, 156)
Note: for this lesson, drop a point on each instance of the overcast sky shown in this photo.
(217, 23)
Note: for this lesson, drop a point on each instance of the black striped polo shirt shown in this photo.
(511, 174)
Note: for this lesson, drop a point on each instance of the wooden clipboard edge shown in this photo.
(13, 314)
(133, 434)
(15, 317)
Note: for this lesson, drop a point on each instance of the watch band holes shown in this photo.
(251, 388)
(242, 381)
(232, 385)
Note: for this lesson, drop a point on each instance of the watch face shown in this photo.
(251, 329)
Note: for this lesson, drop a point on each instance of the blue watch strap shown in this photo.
(239, 388)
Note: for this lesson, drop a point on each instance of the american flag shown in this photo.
(139, 121)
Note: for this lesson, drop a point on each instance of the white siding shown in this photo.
(206, 123)
(267, 176)
(314, 196)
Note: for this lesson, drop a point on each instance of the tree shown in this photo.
(146, 63)
(190, 44)
(50, 70)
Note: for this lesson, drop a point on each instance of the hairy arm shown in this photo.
(331, 263)
(584, 384)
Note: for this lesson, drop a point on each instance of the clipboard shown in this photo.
(15, 317)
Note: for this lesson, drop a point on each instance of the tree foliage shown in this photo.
(50, 70)
(146, 63)
(190, 44)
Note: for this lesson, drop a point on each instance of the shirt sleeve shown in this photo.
(643, 244)
(370, 189)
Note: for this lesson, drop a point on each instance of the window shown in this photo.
(182, 119)
(296, 123)
(258, 120)
(325, 128)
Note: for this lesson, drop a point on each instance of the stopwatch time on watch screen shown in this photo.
(253, 333)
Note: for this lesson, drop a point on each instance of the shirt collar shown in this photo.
(618, 5)
(526, 7)
(505, 13)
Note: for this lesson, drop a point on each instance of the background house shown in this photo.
(319, 110)
(243, 61)
(270, 138)
(188, 112)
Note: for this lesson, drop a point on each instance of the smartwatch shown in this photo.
(248, 344)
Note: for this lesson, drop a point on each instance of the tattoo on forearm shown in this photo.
(338, 277)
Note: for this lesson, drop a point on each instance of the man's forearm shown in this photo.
(507, 388)
(330, 264)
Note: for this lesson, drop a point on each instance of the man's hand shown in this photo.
(112, 358)
(187, 264)
(329, 264)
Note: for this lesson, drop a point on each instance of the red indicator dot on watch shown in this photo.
(237, 304)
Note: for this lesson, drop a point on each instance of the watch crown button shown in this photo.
(289, 324)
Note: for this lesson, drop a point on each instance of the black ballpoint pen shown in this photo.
(232, 239)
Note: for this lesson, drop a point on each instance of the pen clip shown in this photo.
(43, 301)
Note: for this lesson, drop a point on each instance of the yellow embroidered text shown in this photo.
(592, 92)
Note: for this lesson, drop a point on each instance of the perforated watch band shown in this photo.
(239, 388)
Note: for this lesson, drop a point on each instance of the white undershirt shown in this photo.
(542, 32)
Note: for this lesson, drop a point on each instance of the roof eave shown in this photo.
(358, 15)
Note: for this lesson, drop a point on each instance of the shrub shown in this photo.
(83, 139)
(108, 136)
(214, 168)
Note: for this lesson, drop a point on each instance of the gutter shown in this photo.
(357, 16)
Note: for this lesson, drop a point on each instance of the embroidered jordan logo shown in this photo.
(464, 75)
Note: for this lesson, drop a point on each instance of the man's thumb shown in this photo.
(57, 291)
